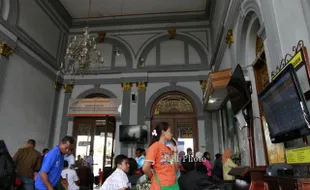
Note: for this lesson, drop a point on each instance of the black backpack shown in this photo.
(7, 168)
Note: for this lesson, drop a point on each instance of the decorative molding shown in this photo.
(140, 20)
(229, 37)
(159, 92)
(203, 84)
(171, 33)
(68, 88)
(101, 36)
(5, 50)
(186, 53)
(126, 86)
(57, 85)
(97, 91)
(13, 13)
(141, 86)
(199, 49)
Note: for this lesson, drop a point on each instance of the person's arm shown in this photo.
(231, 163)
(16, 155)
(147, 169)
(150, 160)
(49, 162)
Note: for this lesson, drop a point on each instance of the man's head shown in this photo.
(31, 143)
(66, 144)
(91, 153)
(189, 151)
(79, 157)
(121, 162)
(45, 151)
(139, 152)
(218, 156)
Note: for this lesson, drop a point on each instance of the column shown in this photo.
(64, 121)
(141, 87)
(306, 8)
(125, 114)
(57, 88)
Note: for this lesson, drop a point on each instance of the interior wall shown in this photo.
(26, 100)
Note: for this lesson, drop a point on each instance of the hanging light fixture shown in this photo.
(82, 55)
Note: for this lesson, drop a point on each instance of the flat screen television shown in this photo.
(133, 133)
(284, 107)
(238, 91)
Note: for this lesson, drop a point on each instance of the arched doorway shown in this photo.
(178, 110)
(97, 134)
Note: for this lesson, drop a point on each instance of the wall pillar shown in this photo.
(64, 121)
(306, 8)
(57, 88)
(125, 114)
(141, 87)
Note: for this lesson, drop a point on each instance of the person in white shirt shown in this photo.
(70, 175)
(70, 158)
(90, 160)
(118, 180)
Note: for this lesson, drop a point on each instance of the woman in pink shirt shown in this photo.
(206, 162)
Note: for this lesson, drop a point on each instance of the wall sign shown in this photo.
(94, 107)
(298, 155)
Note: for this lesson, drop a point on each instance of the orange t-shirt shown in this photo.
(163, 163)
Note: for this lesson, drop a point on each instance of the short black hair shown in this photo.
(133, 166)
(68, 139)
(45, 150)
(66, 164)
(119, 159)
(32, 142)
(140, 150)
(189, 149)
(217, 156)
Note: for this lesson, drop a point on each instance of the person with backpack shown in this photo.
(28, 161)
(7, 168)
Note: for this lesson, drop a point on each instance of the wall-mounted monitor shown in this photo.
(238, 91)
(133, 133)
(284, 107)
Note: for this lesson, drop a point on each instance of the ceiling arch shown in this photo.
(181, 37)
(122, 47)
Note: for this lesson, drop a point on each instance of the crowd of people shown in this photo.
(162, 165)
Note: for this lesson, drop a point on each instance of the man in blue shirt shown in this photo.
(52, 166)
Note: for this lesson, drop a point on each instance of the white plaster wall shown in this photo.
(37, 24)
(193, 86)
(136, 41)
(226, 62)
(5, 7)
(172, 52)
(291, 25)
(152, 88)
(26, 105)
(151, 58)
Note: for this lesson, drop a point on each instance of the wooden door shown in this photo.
(96, 134)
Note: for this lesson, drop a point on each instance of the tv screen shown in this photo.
(133, 133)
(284, 107)
(238, 91)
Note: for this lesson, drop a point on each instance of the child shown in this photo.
(73, 179)
(118, 180)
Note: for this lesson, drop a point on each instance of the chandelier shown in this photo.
(82, 55)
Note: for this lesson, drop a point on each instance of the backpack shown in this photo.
(7, 168)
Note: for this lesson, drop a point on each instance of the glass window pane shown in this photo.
(83, 140)
(99, 149)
